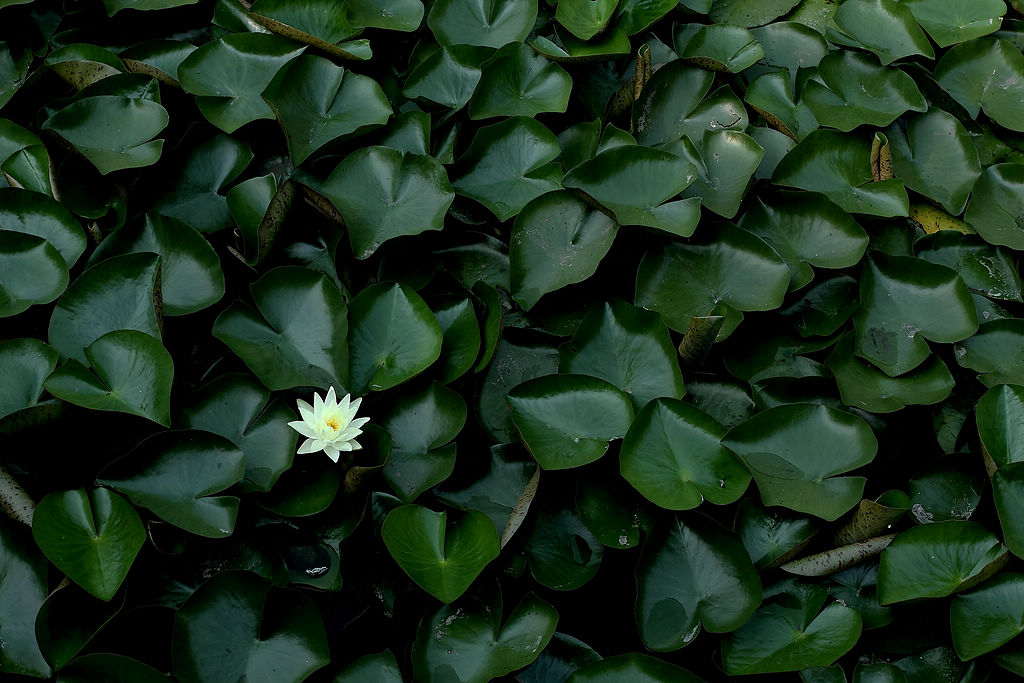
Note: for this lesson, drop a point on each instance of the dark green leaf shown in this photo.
(92, 536)
(383, 193)
(22, 592)
(986, 74)
(885, 27)
(475, 22)
(693, 574)
(996, 209)
(988, 617)
(442, 562)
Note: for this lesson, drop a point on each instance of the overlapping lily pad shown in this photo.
(795, 452)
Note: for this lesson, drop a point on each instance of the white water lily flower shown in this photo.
(328, 425)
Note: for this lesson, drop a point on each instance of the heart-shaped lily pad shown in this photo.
(954, 21)
(461, 344)
(885, 27)
(25, 364)
(507, 165)
(275, 634)
(24, 211)
(997, 203)
(839, 166)
(628, 347)
(1000, 419)
(584, 18)
(517, 81)
(771, 536)
(317, 101)
(86, 124)
(724, 266)
(563, 553)
(174, 474)
(795, 451)
(298, 336)
(442, 561)
(120, 293)
(512, 365)
(92, 536)
(448, 76)
(986, 74)
(127, 372)
(722, 47)
(394, 337)
(568, 420)
(806, 230)
(984, 619)
(673, 455)
(633, 181)
(634, 667)
(934, 560)
(557, 240)
(905, 301)
(383, 193)
(476, 22)
(227, 76)
(693, 574)
(471, 643)
(789, 634)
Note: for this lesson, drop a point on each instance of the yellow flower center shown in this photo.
(332, 422)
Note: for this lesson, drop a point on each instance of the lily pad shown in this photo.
(383, 193)
(1000, 416)
(563, 553)
(298, 336)
(25, 364)
(517, 81)
(275, 634)
(725, 165)
(954, 21)
(886, 27)
(442, 561)
(935, 560)
(864, 386)
(23, 591)
(92, 536)
(771, 95)
(724, 267)
(175, 474)
(394, 337)
(634, 667)
(512, 365)
(500, 490)
(557, 240)
(507, 165)
(693, 574)
(996, 209)
(119, 293)
(986, 618)
(944, 171)
(673, 455)
(795, 451)
(633, 181)
(461, 344)
(628, 347)
(986, 74)
(806, 229)
(995, 352)
(227, 76)
(448, 76)
(584, 18)
(86, 124)
(984, 268)
(475, 22)
(790, 635)
(748, 12)
(904, 302)
(667, 100)
(858, 91)
(317, 101)
(128, 372)
(197, 197)
(190, 274)
(34, 272)
(569, 420)
(1008, 493)
(839, 166)
(471, 643)
(421, 425)
(771, 536)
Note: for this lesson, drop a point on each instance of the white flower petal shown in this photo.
(318, 404)
(355, 445)
(305, 410)
(358, 422)
(331, 399)
(344, 402)
(331, 452)
(311, 446)
(302, 428)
